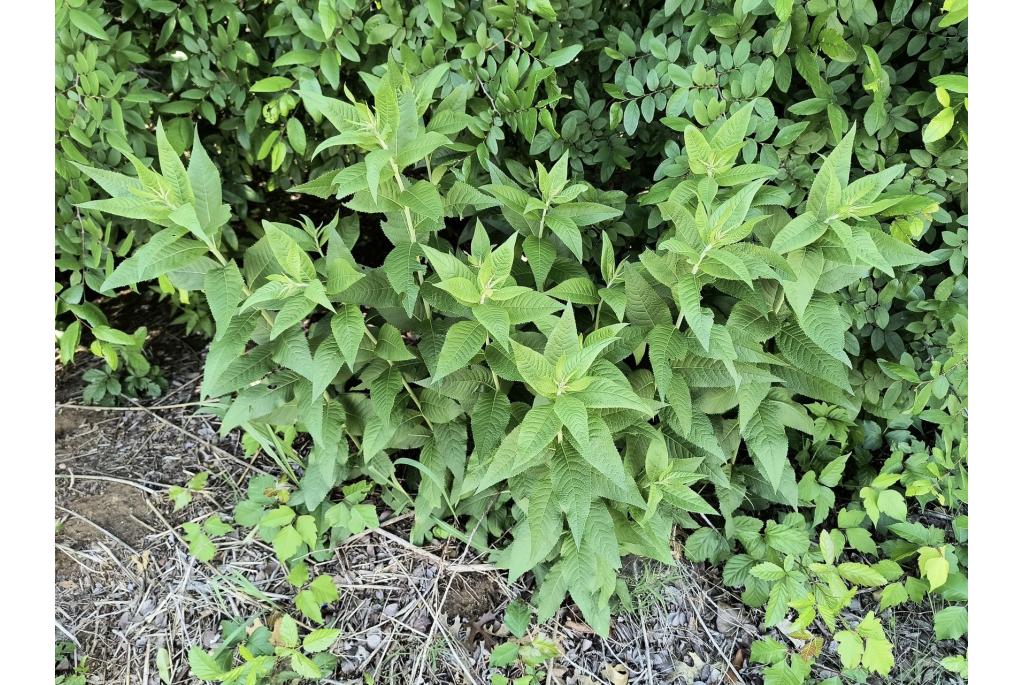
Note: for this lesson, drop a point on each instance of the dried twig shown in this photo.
(111, 479)
(714, 642)
(444, 564)
(137, 407)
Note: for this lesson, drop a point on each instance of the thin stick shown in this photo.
(69, 552)
(89, 407)
(446, 565)
(647, 649)
(68, 633)
(76, 476)
(714, 642)
(362, 534)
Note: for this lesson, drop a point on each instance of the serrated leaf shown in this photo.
(951, 623)
(861, 574)
(461, 343)
(490, 417)
(765, 436)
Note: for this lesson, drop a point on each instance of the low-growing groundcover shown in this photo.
(593, 277)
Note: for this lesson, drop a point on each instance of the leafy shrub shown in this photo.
(596, 272)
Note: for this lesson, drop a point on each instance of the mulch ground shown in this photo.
(127, 587)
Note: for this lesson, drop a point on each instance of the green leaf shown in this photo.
(956, 83)
(767, 651)
(825, 324)
(878, 656)
(88, 24)
(286, 543)
(69, 340)
(307, 604)
(644, 307)
(271, 84)
(861, 574)
(172, 169)
(202, 665)
(768, 571)
(540, 255)
(826, 190)
(288, 631)
(537, 430)
(390, 345)
(224, 288)
(278, 517)
(699, 319)
(893, 595)
(783, 9)
(348, 329)
(204, 179)
(323, 587)
(165, 252)
(951, 623)
(490, 417)
(573, 487)
(939, 126)
(538, 371)
(573, 415)
(461, 343)
(199, 544)
(296, 135)
(517, 617)
(850, 648)
(698, 150)
(305, 666)
(560, 58)
(503, 655)
(835, 46)
(320, 640)
(765, 436)
(799, 232)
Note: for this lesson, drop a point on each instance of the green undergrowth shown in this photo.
(592, 278)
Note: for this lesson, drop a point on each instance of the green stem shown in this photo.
(416, 401)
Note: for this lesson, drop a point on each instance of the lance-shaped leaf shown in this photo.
(461, 343)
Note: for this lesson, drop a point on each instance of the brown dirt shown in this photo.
(120, 510)
(473, 597)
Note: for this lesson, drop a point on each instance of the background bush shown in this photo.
(750, 214)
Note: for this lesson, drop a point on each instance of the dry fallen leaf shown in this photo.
(688, 674)
(728, 620)
(812, 649)
(732, 674)
(797, 637)
(141, 562)
(579, 627)
(256, 624)
(617, 674)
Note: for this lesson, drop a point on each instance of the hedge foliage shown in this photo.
(582, 273)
